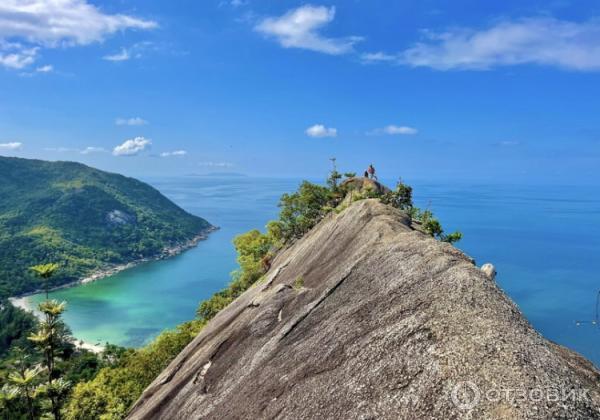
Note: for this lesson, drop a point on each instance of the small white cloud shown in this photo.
(174, 153)
(319, 130)
(216, 164)
(137, 50)
(378, 57)
(121, 56)
(540, 40)
(15, 145)
(300, 28)
(132, 147)
(17, 57)
(134, 121)
(91, 149)
(45, 69)
(393, 130)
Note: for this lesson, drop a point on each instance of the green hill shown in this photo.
(81, 218)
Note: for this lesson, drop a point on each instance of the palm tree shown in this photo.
(45, 272)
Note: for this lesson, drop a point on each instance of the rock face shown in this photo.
(118, 217)
(362, 184)
(366, 317)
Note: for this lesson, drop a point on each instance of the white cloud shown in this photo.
(134, 121)
(55, 23)
(132, 147)
(121, 56)
(15, 56)
(319, 130)
(91, 149)
(45, 69)
(542, 41)
(174, 153)
(216, 164)
(377, 57)
(393, 130)
(11, 146)
(137, 50)
(299, 28)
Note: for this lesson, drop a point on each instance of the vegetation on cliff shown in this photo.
(81, 218)
(114, 380)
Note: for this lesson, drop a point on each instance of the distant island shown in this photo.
(92, 223)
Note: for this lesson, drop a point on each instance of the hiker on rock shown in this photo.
(371, 172)
(366, 174)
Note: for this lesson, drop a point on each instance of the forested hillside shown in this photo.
(82, 218)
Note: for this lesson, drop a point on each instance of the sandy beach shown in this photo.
(24, 303)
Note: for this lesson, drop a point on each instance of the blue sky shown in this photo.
(430, 90)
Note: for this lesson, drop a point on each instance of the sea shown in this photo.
(544, 241)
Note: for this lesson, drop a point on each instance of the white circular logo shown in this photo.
(465, 395)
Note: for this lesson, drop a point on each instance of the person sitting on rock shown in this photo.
(366, 174)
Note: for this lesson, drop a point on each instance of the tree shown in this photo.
(400, 198)
(45, 272)
(433, 227)
(112, 392)
(303, 209)
(49, 338)
(24, 381)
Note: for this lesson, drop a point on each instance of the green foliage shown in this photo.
(400, 198)
(332, 180)
(35, 381)
(50, 337)
(350, 174)
(15, 326)
(254, 253)
(59, 211)
(303, 209)
(298, 283)
(45, 271)
(432, 225)
(452, 237)
(115, 388)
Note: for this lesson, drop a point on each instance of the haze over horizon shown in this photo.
(502, 92)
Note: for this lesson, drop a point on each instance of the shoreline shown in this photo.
(27, 306)
(22, 301)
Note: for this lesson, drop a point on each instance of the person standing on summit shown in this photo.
(371, 172)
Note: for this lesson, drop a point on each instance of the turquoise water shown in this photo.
(543, 240)
(132, 307)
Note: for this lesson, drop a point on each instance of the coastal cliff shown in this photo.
(368, 317)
